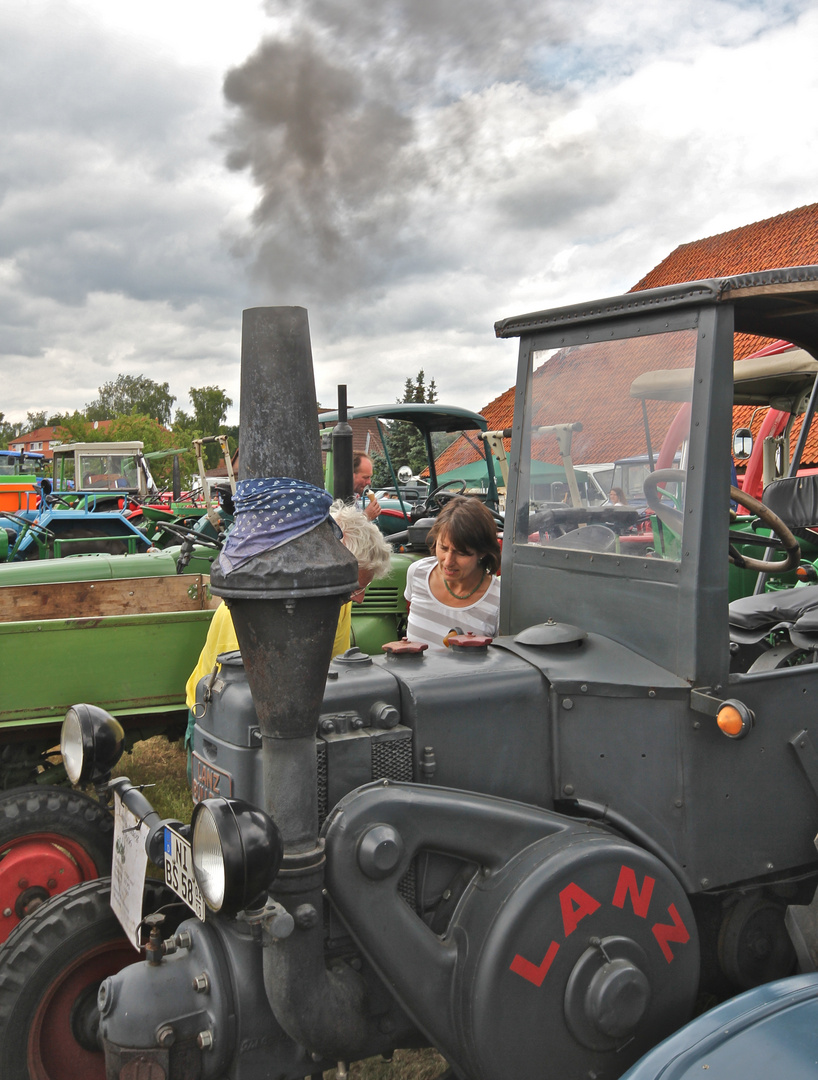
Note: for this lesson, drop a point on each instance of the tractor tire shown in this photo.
(50, 970)
(50, 840)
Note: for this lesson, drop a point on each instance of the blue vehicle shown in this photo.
(771, 1030)
(81, 509)
(19, 463)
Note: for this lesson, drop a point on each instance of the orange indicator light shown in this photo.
(734, 719)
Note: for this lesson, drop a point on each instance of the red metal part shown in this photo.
(405, 648)
(33, 868)
(53, 1050)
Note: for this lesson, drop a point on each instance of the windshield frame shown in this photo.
(674, 613)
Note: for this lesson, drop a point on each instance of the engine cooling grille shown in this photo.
(382, 598)
(391, 759)
(321, 755)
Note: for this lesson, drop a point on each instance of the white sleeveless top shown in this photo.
(430, 621)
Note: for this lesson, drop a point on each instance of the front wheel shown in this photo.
(50, 971)
(50, 840)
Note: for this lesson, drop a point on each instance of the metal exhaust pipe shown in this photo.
(285, 601)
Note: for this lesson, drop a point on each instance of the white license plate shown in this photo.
(179, 872)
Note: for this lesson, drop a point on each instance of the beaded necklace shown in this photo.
(465, 596)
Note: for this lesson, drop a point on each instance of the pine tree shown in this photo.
(406, 445)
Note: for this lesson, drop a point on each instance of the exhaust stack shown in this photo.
(285, 601)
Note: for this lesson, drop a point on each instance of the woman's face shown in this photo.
(456, 566)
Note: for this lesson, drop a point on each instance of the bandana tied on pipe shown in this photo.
(269, 513)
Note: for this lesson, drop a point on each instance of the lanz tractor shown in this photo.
(534, 853)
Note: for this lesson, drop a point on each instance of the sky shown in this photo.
(409, 171)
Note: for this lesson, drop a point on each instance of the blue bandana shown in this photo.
(269, 513)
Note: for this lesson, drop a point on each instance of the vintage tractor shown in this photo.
(122, 632)
(531, 853)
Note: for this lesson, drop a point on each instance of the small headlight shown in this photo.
(91, 743)
(237, 852)
(208, 861)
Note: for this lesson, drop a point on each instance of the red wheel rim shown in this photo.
(34, 867)
(53, 1051)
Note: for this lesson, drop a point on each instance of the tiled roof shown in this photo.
(789, 239)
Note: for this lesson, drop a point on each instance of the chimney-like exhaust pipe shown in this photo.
(285, 604)
(285, 601)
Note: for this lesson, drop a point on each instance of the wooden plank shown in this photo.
(115, 596)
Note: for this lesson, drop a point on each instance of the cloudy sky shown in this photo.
(408, 170)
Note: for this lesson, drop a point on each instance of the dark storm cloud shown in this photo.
(428, 45)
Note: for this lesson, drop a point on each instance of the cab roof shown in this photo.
(780, 303)
(425, 417)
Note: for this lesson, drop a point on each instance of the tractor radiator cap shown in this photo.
(551, 633)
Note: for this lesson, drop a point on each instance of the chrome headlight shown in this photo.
(91, 743)
(237, 852)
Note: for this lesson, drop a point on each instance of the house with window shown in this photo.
(43, 439)
(39, 441)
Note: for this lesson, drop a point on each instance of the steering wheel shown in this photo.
(184, 532)
(673, 518)
(460, 486)
(776, 525)
(668, 515)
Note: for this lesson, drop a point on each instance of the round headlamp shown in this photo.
(91, 743)
(237, 852)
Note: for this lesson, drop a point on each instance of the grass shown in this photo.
(405, 1065)
(160, 766)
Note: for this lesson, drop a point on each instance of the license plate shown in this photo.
(128, 867)
(209, 782)
(179, 872)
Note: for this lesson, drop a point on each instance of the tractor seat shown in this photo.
(795, 500)
(794, 610)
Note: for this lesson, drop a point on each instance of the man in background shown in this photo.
(361, 480)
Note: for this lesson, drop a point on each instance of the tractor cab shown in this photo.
(650, 375)
(96, 468)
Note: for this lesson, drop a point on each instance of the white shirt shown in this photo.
(430, 621)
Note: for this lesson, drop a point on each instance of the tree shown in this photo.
(77, 428)
(36, 420)
(406, 445)
(8, 431)
(418, 391)
(210, 405)
(132, 395)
